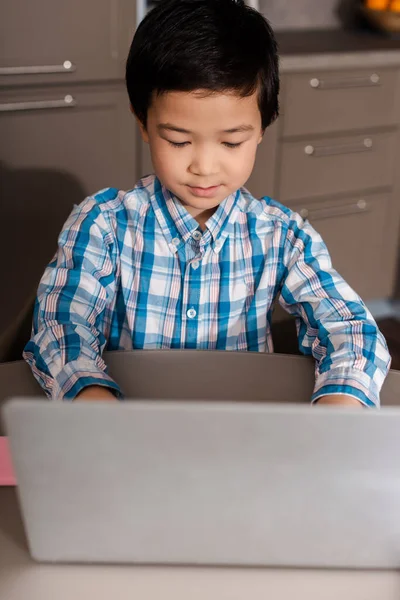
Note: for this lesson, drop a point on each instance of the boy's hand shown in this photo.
(340, 400)
(96, 392)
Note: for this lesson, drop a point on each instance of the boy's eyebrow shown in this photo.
(240, 128)
(170, 127)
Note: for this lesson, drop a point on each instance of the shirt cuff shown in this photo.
(350, 382)
(79, 374)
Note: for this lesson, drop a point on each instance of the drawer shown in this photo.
(315, 103)
(44, 42)
(336, 165)
(354, 230)
(85, 132)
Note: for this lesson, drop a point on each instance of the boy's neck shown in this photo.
(202, 217)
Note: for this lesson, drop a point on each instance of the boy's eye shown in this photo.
(178, 144)
(183, 144)
(228, 145)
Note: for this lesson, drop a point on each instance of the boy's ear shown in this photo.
(142, 128)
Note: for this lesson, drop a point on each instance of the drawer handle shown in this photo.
(336, 84)
(66, 67)
(339, 211)
(363, 146)
(67, 102)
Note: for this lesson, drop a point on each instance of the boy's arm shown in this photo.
(340, 400)
(73, 310)
(333, 323)
(95, 392)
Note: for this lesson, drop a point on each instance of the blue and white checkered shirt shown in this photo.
(134, 270)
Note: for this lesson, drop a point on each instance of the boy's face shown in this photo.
(203, 147)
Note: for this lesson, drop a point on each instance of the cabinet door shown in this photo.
(354, 230)
(52, 42)
(326, 166)
(84, 132)
(50, 159)
(316, 103)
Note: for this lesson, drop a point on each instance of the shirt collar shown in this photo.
(185, 224)
(178, 225)
(221, 223)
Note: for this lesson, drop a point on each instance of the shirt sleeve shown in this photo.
(333, 323)
(75, 300)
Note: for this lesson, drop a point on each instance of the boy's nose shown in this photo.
(203, 164)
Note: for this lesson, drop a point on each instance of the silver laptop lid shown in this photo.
(208, 483)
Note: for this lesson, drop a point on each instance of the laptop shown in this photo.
(208, 483)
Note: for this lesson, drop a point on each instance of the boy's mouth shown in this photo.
(202, 192)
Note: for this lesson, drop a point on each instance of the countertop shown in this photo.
(315, 41)
(21, 578)
(336, 48)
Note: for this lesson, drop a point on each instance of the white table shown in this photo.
(23, 579)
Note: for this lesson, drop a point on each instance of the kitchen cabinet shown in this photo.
(348, 224)
(82, 131)
(59, 145)
(315, 167)
(333, 158)
(64, 42)
(319, 101)
(65, 126)
(53, 154)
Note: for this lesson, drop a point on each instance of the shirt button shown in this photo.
(196, 235)
(175, 241)
(191, 313)
(217, 246)
(195, 264)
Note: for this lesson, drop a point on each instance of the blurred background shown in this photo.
(66, 131)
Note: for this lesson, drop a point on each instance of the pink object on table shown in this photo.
(7, 476)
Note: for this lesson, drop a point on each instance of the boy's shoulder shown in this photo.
(113, 199)
(268, 210)
(111, 205)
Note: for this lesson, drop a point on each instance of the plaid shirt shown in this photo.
(134, 270)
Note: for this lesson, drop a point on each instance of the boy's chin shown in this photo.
(201, 203)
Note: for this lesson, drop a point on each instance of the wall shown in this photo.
(300, 14)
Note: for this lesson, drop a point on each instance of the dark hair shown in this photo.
(214, 45)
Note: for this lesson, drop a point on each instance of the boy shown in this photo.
(188, 258)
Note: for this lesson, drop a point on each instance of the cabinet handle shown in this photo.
(353, 82)
(66, 102)
(335, 211)
(66, 67)
(364, 146)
